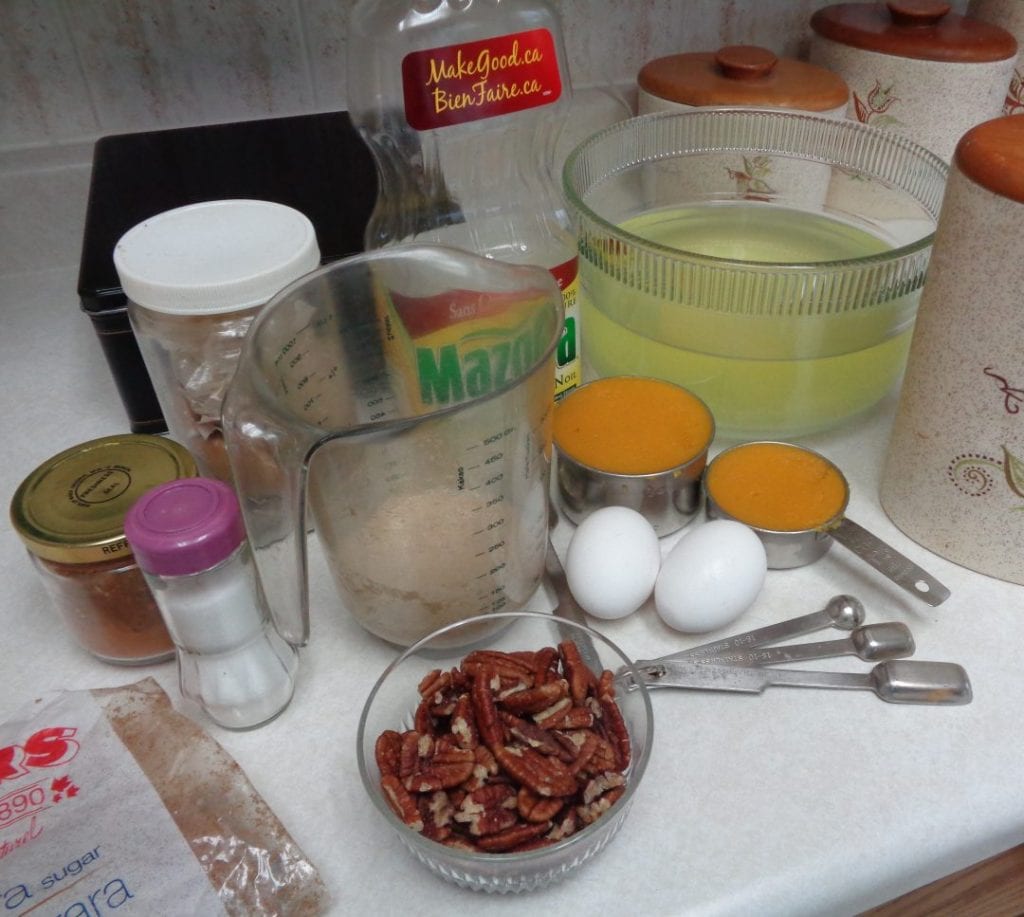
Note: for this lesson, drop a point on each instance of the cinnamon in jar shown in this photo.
(69, 512)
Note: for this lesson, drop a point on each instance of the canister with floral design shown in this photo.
(746, 76)
(915, 67)
(953, 478)
(1010, 15)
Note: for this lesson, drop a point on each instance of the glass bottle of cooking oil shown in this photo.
(461, 102)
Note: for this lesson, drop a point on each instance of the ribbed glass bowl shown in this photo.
(391, 706)
(769, 261)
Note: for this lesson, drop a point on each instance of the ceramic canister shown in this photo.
(746, 76)
(1010, 15)
(915, 67)
(953, 478)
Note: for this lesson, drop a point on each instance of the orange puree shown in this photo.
(632, 425)
(776, 486)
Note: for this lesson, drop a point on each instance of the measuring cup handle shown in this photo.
(270, 476)
(889, 562)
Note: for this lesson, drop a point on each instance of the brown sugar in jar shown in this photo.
(70, 513)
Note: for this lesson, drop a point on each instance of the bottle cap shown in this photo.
(184, 527)
(215, 257)
(71, 509)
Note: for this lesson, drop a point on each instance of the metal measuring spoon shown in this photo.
(787, 549)
(899, 681)
(842, 611)
(870, 642)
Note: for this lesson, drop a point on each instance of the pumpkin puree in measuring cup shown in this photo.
(632, 425)
(776, 486)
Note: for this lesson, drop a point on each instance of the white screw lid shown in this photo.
(215, 256)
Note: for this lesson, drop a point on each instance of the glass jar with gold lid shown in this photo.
(69, 512)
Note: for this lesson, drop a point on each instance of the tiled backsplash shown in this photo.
(73, 70)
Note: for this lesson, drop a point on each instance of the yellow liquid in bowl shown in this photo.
(763, 375)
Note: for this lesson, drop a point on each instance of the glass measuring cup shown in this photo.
(405, 398)
(795, 501)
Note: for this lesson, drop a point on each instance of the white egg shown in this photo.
(710, 577)
(613, 561)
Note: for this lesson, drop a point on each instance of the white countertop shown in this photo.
(793, 802)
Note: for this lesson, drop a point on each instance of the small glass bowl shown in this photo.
(394, 699)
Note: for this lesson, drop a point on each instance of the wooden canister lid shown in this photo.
(743, 75)
(992, 154)
(920, 29)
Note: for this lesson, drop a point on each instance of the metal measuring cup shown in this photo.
(795, 548)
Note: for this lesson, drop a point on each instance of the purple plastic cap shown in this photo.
(184, 526)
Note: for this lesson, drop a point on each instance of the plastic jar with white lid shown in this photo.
(195, 278)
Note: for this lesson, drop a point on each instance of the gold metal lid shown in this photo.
(72, 507)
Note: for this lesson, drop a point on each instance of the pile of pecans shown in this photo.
(509, 751)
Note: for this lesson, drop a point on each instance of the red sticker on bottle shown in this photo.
(480, 79)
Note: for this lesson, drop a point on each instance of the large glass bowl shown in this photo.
(392, 704)
(769, 261)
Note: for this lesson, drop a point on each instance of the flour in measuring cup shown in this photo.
(418, 562)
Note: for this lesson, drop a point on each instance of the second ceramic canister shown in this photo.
(1009, 14)
(953, 478)
(916, 68)
(746, 76)
(195, 278)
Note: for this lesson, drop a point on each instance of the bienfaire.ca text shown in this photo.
(481, 68)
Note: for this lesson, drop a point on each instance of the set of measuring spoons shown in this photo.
(742, 662)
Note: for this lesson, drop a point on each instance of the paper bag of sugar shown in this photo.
(112, 802)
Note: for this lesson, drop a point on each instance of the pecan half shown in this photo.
(591, 812)
(387, 752)
(545, 775)
(501, 664)
(600, 785)
(553, 715)
(616, 730)
(444, 767)
(532, 735)
(486, 711)
(534, 808)
(534, 700)
(512, 837)
(488, 810)
(463, 723)
(401, 801)
(581, 680)
(436, 810)
(434, 683)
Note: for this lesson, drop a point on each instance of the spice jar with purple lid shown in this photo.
(69, 512)
(191, 545)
